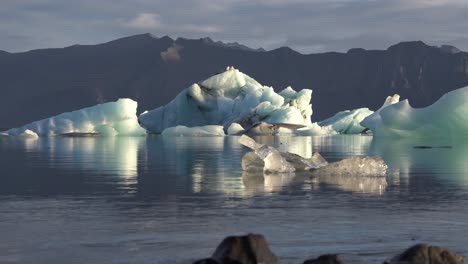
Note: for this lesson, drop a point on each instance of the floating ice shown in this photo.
(28, 134)
(201, 131)
(348, 122)
(235, 129)
(114, 118)
(446, 118)
(270, 160)
(230, 97)
(362, 166)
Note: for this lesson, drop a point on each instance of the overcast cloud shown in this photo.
(307, 26)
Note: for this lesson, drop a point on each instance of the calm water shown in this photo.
(172, 200)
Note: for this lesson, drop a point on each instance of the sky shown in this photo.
(308, 26)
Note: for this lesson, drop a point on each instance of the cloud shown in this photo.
(201, 28)
(146, 21)
(305, 25)
(172, 53)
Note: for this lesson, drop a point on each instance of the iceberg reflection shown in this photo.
(348, 183)
(438, 157)
(108, 155)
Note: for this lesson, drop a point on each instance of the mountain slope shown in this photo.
(42, 83)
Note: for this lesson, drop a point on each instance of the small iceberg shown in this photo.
(108, 119)
(348, 122)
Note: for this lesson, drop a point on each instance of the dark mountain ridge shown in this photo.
(42, 83)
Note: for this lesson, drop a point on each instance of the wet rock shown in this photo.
(427, 254)
(325, 259)
(249, 249)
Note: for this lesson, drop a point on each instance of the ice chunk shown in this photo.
(230, 97)
(446, 118)
(362, 166)
(252, 162)
(114, 118)
(273, 161)
(269, 159)
(235, 129)
(201, 131)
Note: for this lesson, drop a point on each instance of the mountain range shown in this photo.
(151, 70)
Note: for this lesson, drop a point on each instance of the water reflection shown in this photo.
(357, 184)
(259, 182)
(149, 166)
(112, 155)
(435, 158)
(268, 183)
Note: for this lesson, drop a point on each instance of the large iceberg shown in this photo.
(446, 118)
(230, 97)
(113, 118)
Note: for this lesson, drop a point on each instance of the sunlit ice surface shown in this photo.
(173, 199)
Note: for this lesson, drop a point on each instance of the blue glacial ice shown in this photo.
(348, 122)
(200, 131)
(227, 98)
(110, 119)
(446, 118)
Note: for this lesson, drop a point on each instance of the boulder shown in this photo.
(427, 254)
(249, 249)
(206, 261)
(325, 259)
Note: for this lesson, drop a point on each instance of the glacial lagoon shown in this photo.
(173, 199)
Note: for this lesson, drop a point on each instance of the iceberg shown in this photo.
(446, 118)
(227, 98)
(348, 121)
(201, 131)
(113, 118)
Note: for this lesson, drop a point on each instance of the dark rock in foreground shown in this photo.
(427, 254)
(254, 249)
(249, 249)
(206, 261)
(325, 259)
